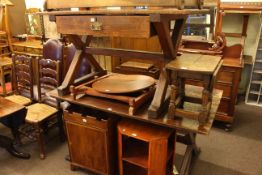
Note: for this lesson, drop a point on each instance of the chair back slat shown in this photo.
(49, 77)
(23, 75)
(49, 71)
(49, 81)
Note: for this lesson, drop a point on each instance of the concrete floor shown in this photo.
(223, 153)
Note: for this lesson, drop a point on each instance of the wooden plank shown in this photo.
(54, 4)
(118, 26)
(157, 56)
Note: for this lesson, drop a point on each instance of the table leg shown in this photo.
(8, 144)
(192, 151)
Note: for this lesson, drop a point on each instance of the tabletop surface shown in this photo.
(122, 84)
(8, 107)
(121, 109)
(169, 11)
(195, 63)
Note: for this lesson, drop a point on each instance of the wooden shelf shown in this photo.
(136, 152)
(130, 169)
(254, 92)
(258, 71)
(259, 60)
(256, 82)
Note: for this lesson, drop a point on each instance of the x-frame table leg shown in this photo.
(75, 65)
(192, 151)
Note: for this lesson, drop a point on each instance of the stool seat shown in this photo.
(19, 99)
(205, 64)
(38, 112)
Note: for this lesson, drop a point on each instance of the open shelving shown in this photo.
(254, 93)
(144, 150)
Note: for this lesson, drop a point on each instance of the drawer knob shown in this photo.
(84, 120)
(96, 26)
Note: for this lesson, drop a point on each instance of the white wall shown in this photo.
(233, 23)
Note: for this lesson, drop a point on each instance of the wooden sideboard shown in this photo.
(32, 48)
(228, 80)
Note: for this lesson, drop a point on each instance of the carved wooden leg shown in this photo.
(172, 105)
(40, 139)
(182, 91)
(205, 101)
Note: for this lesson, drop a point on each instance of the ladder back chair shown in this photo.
(46, 112)
(22, 80)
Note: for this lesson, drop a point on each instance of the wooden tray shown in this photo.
(135, 97)
(122, 84)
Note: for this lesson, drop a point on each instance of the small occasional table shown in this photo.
(11, 114)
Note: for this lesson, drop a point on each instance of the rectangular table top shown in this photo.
(121, 109)
(8, 107)
(206, 64)
(105, 11)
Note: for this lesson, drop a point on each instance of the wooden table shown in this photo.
(5, 68)
(9, 112)
(188, 127)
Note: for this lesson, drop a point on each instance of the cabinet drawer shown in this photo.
(118, 26)
(19, 48)
(85, 120)
(226, 89)
(225, 76)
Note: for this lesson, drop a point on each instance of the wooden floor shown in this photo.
(235, 153)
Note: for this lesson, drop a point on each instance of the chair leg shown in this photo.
(40, 139)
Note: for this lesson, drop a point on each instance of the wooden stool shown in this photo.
(5, 69)
(145, 149)
(198, 67)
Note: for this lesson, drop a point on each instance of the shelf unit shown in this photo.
(144, 150)
(254, 93)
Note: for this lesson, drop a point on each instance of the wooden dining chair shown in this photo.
(22, 80)
(46, 112)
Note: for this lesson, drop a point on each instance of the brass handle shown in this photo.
(96, 26)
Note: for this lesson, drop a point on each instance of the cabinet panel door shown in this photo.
(87, 147)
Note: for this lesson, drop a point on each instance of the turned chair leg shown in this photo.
(40, 139)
